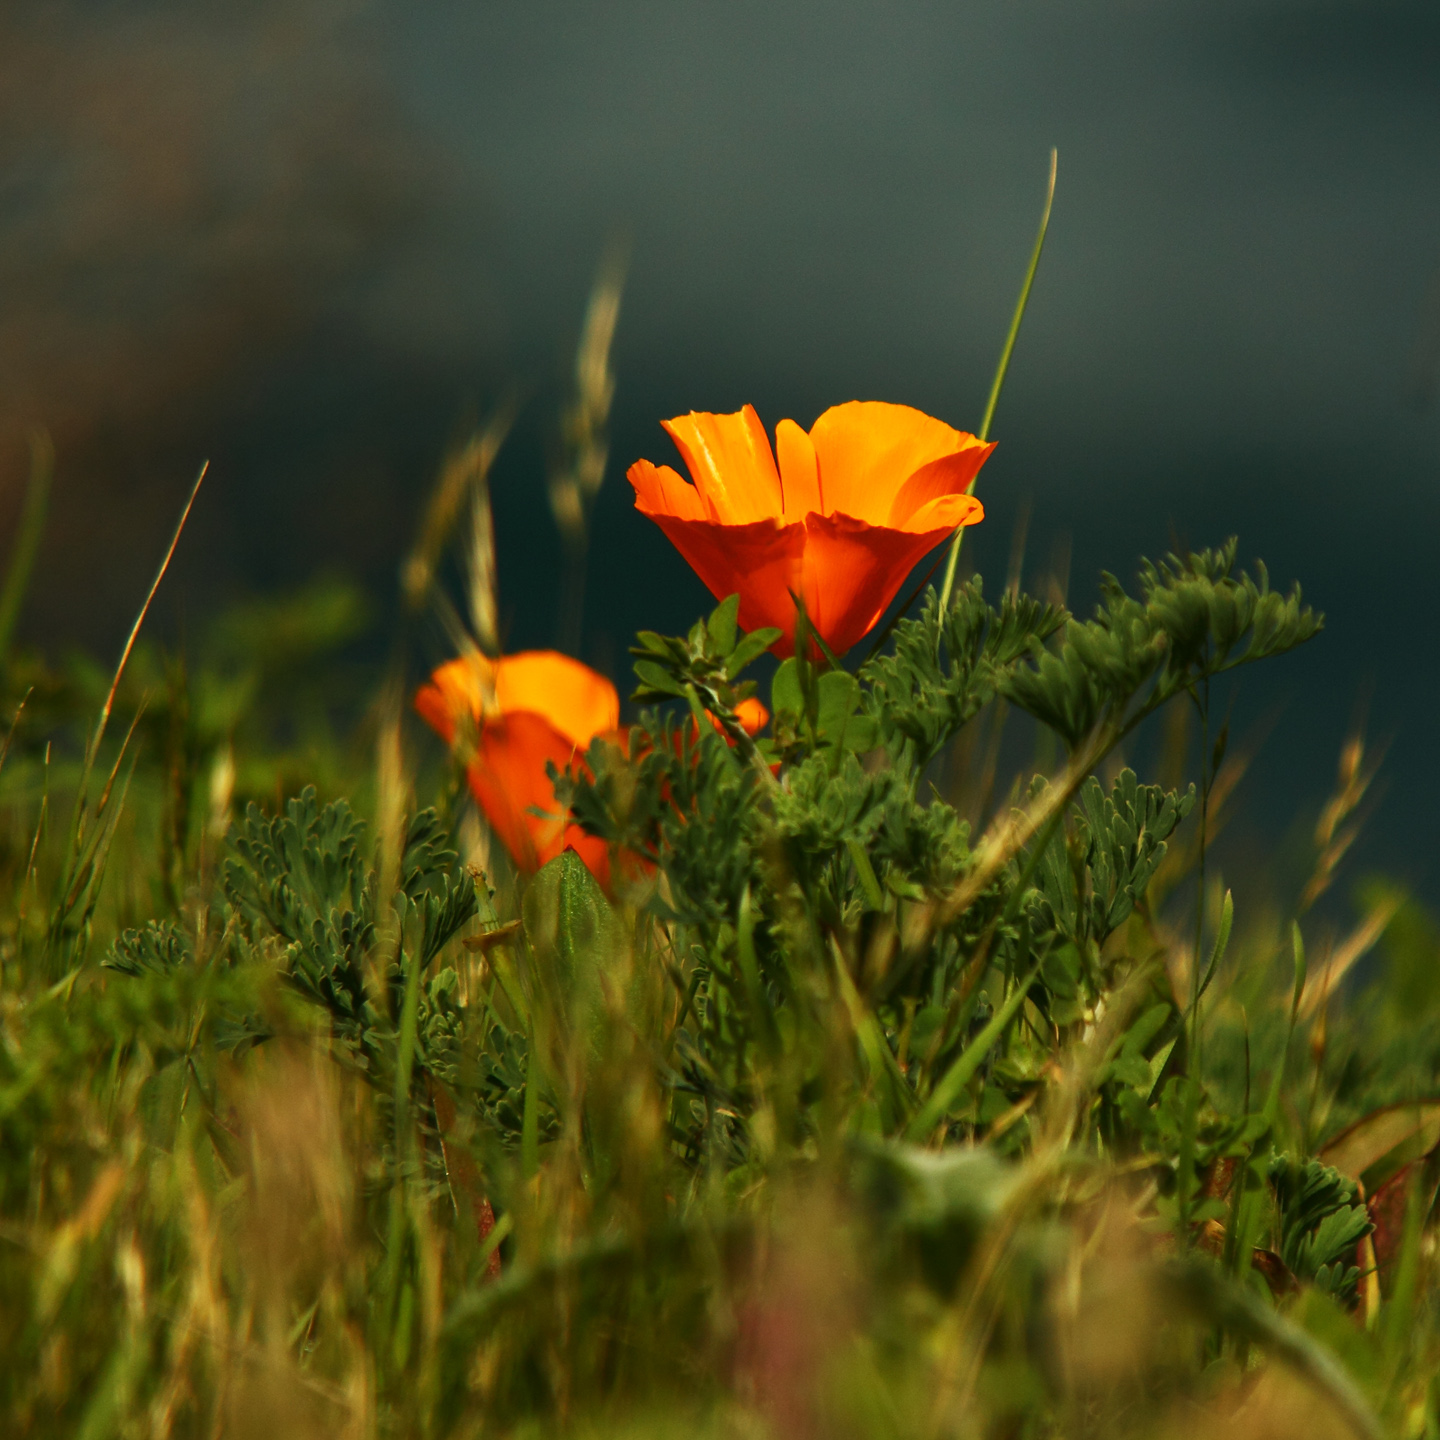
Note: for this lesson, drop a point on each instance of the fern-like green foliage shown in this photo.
(1195, 619)
(703, 668)
(1321, 1222)
(300, 878)
(1089, 889)
(156, 949)
(846, 1049)
(815, 863)
(301, 893)
(943, 670)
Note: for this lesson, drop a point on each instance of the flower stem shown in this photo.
(998, 383)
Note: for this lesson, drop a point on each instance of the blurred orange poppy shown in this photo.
(752, 715)
(519, 713)
(842, 520)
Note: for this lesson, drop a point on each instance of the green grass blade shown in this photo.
(957, 1077)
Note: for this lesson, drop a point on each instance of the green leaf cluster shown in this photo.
(702, 668)
(944, 669)
(302, 896)
(821, 862)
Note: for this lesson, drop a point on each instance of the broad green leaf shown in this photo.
(723, 624)
(839, 698)
(567, 914)
(573, 935)
(656, 678)
(754, 645)
(656, 644)
(786, 697)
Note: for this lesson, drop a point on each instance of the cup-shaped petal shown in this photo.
(730, 461)
(853, 571)
(763, 562)
(878, 462)
(509, 780)
(522, 713)
(577, 701)
(841, 520)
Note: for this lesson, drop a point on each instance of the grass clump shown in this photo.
(849, 1109)
(822, 1083)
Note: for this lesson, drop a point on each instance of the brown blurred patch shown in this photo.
(1125, 1341)
(299, 1173)
(294, 1250)
(1110, 1316)
(796, 1317)
(1271, 1405)
(186, 193)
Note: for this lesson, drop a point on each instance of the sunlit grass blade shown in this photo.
(14, 726)
(585, 448)
(464, 472)
(1277, 1082)
(109, 704)
(77, 869)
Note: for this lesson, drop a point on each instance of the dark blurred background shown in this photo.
(315, 240)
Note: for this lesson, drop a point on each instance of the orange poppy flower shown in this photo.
(842, 520)
(525, 710)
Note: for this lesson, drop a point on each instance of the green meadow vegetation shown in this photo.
(915, 1072)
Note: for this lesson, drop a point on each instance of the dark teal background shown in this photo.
(315, 241)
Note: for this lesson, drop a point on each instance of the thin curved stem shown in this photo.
(998, 383)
